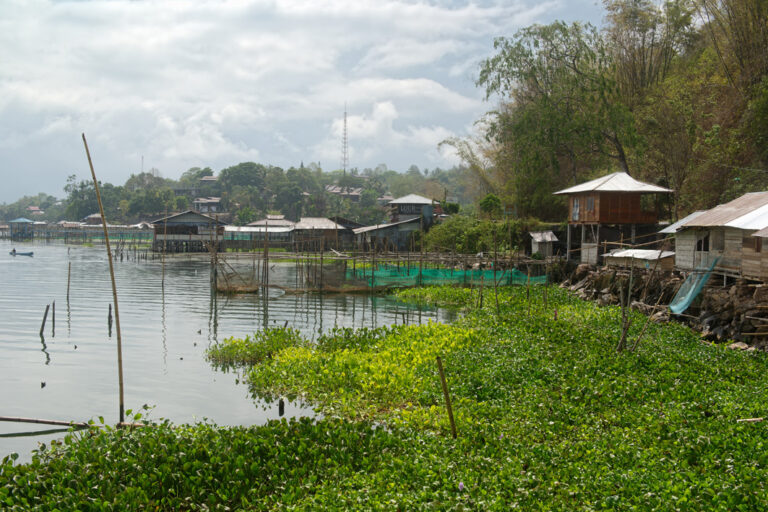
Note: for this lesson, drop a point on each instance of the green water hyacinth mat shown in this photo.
(548, 415)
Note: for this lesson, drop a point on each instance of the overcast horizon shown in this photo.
(174, 85)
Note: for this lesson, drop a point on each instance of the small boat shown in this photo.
(21, 253)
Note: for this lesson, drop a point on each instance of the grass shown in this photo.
(549, 417)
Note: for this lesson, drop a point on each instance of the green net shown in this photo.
(393, 276)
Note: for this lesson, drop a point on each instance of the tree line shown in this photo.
(248, 191)
(673, 93)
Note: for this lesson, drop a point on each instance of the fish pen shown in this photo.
(314, 270)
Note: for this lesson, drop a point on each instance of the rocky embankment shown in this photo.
(735, 313)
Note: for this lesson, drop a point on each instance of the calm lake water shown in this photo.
(72, 373)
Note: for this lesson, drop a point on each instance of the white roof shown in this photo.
(756, 219)
(640, 254)
(412, 199)
(317, 223)
(672, 228)
(543, 236)
(616, 182)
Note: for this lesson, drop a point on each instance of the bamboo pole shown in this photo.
(45, 317)
(53, 320)
(114, 286)
(447, 396)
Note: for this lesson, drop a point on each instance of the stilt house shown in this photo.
(609, 209)
(732, 232)
(189, 231)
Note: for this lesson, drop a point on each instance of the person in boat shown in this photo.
(13, 251)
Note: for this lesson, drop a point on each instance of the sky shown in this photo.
(175, 84)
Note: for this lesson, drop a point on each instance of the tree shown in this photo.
(490, 206)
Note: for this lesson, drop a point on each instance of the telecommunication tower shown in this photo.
(344, 145)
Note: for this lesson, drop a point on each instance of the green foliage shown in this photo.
(252, 350)
(549, 418)
(490, 205)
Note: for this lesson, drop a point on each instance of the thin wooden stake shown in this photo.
(69, 278)
(114, 287)
(447, 396)
(45, 317)
(53, 320)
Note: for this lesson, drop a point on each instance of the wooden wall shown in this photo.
(610, 208)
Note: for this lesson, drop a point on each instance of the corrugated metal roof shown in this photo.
(190, 215)
(376, 227)
(20, 220)
(640, 254)
(723, 214)
(672, 228)
(273, 221)
(317, 223)
(763, 233)
(258, 229)
(412, 199)
(616, 182)
(543, 236)
(756, 219)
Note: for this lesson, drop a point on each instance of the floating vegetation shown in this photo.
(549, 416)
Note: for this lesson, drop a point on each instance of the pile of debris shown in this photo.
(737, 312)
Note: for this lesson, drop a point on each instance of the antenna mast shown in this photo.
(345, 145)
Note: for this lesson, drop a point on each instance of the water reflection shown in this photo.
(166, 330)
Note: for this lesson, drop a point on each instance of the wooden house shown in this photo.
(727, 232)
(319, 233)
(188, 231)
(387, 237)
(617, 204)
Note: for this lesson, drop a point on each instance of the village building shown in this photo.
(207, 204)
(21, 228)
(610, 209)
(318, 233)
(351, 193)
(729, 236)
(34, 210)
(543, 243)
(274, 221)
(93, 219)
(275, 230)
(393, 236)
(412, 206)
(188, 231)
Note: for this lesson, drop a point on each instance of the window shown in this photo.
(575, 209)
(591, 204)
(702, 243)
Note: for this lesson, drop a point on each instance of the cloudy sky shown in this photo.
(196, 83)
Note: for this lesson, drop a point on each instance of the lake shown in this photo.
(71, 374)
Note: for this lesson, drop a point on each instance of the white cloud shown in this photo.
(202, 82)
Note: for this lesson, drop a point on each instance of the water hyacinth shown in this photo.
(549, 417)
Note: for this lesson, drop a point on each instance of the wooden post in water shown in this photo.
(53, 320)
(69, 277)
(114, 287)
(447, 396)
(45, 317)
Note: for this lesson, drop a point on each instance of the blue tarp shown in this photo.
(691, 288)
